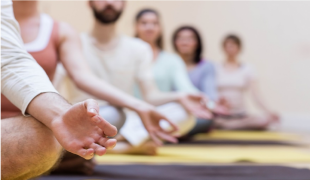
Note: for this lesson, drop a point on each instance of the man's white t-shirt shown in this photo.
(127, 62)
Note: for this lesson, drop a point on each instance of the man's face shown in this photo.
(107, 11)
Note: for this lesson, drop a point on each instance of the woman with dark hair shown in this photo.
(187, 42)
(233, 80)
(168, 69)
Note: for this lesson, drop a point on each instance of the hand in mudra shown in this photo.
(83, 132)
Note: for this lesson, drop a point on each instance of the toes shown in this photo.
(107, 143)
(86, 153)
(99, 150)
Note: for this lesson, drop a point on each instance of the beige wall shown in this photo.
(276, 37)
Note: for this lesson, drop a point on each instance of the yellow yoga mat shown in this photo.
(222, 154)
(248, 135)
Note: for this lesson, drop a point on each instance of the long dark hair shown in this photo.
(159, 41)
(198, 52)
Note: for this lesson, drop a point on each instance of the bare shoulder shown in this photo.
(67, 31)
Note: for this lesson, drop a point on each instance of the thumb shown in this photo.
(173, 125)
(91, 106)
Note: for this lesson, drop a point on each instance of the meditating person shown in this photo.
(32, 140)
(168, 69)
(234, 79)
(123, 62)
(188, 44)
(50, 42)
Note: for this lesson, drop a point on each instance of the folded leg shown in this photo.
(28, 148)
(135, 133)
(249, 122)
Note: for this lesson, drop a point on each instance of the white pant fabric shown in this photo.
(135, 133)
(115, 116)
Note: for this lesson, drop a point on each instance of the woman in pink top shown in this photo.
(233, 80)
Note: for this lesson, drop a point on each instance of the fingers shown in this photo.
(107, 143)
(202, 113)
(99, 150)
(198, 96)
(166, 137)
(173, 125)
(86, 153)
(92, 107)
(107, 128)
(156, 140)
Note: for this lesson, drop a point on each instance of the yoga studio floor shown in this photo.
(221, 155)
(282, 154)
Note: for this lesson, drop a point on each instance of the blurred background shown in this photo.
(275, 35)
(275, 42)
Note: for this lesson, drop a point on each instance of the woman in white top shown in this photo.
(233, 80)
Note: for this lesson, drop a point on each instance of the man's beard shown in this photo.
(107, 18)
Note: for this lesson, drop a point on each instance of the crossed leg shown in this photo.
(28, 148)
(244, 123)
(134, 138)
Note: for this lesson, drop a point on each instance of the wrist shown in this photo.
(141, 106)
(180, 97)
(49, 112)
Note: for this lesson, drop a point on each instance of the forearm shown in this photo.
(258, 99)
(46, 107)
(159, 98)
(104, 91)
(209, 89)
(152, 95)
(262, 105)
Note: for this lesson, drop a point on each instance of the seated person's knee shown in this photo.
(30, 148)
(114, 115)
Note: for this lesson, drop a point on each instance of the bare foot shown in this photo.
(74, 164)
(83, 132)
(148, 148)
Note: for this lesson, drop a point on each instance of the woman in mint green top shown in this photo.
(169, 69)
(170, 73)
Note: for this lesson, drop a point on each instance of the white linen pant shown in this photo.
(136, 134)
(115, 116)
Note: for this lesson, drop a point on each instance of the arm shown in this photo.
(22, 79)
(256, 95)
(78, 70)
(28, 87)
(73, 61)
(192, 102)
(181, 79)
(208, 82)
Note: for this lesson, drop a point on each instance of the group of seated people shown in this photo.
(191, 94)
